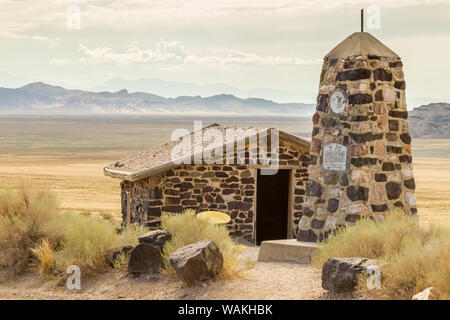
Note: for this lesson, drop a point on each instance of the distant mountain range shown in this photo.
(430, 121)
(42, 98)
(174, 89)
(427, 121)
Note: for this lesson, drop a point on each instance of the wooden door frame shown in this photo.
(290, 212)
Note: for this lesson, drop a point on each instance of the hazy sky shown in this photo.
(243, 43)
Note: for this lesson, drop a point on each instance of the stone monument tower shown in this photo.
(360, 157)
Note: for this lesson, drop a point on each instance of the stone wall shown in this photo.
(227, 188)
(374, 129)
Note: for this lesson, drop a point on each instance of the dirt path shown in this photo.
(263, 281)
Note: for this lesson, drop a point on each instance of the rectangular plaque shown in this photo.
(334, 157)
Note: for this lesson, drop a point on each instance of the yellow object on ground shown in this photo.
(215, 217)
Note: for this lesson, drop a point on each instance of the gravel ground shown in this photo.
(263, 281)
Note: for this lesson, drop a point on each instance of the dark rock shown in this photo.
(315, 131)
(393, 125)
(189, 202)
(352, 217)
(365, 137)
(405, 158)
(317, 224)
(379, 95)
(356, 193)
(328, 122)
(387, 166)
(306, 236)
(113, 254)
(207, 189)
(144, 258)
(358, 118)
(153, 224)
(186, 185)
(353, 75)
(155, 212)
(390, 136)
(406, 138)
(361, 162)
(343, 180)
(395, 64)
(248, 180)
(398, 204)
(238, 205)
(313, 188)
(382, 75)
(410, 184)
(333, 205)
(380, 177)
(196, 262)
(330, 179)
(341, 274)
(175, 209)
(307, 212)
(360, 98)
(156, 237)
(220, 174)
(400, 85)
(398, 114)
(393, 190)
(155, 194)
(393, 149)
(322, 103)
(379, 207)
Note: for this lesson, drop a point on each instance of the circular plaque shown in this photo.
(338, 101)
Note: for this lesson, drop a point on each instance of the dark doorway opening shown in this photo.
(272, 206)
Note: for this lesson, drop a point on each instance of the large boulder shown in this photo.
(113, 254)
(196, 262)
(341, 274)
(144, 258)
(156, 237)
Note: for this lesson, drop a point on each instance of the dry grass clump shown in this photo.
(26, 218)
(186, 229)
(412, 258)
(86, 242)
(33, 234)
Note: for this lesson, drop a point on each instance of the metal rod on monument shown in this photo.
(362, 20)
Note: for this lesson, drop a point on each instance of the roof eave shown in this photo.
(139, 175)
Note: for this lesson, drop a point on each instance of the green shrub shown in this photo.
(186, 229)
(412, 258)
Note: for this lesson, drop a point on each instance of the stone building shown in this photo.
(360, 157)
(261, 206)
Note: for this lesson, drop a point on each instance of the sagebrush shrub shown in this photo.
(412, 258)
(186, 229)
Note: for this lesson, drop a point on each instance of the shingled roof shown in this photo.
(158, 159)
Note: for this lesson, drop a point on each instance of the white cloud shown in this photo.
(174, 53)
